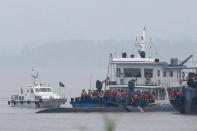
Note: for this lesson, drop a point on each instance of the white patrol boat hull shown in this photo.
(44, 103)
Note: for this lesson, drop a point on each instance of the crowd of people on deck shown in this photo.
(174, 93)
(121, 96)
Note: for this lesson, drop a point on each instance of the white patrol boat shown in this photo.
(149, 73)
(37, 95)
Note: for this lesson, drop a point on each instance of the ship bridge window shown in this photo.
(164, 74)
(32, 91)
(43, 90)
(148, 73)
(171, 73)
(118, 72)
(21, 97)
(158, 73)
(132, 72)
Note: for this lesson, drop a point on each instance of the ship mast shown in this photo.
(110, 68)
(141, 44)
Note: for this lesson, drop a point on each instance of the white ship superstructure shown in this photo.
(149, 74)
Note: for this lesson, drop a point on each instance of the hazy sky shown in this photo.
(32, 22)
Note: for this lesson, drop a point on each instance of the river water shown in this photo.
(23, 119)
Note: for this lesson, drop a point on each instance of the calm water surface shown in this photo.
(21, 119)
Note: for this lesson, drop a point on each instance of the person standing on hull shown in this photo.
(131, 85)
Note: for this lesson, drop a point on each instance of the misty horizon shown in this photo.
(32, 23)
(93, 54)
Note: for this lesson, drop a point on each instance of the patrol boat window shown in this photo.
(42, 89)
(132, 72)
(148, 73)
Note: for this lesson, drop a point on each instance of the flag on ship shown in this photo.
(61, 84)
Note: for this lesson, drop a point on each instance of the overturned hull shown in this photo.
(185, 107)
(93, 104)
(83, 109)
(112, 109)
(178, 104)
(187, 103)
(44, 103)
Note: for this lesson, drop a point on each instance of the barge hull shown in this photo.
(159, 108)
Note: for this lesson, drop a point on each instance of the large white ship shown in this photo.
(37, 95)
(150, 74)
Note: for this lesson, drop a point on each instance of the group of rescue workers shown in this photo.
(174, 93)
(120, 96)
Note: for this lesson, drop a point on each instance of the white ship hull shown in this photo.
(45, 103)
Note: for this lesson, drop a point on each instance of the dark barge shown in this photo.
(134, 101)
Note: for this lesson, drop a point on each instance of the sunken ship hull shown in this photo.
(186, 103)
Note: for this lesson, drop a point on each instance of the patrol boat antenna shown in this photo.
(34, 76)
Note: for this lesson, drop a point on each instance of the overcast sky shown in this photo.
(33, 22)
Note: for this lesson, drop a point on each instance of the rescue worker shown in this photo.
(90, 92)
(153, 98)
(134, 99)
(83, 94)
(172, 93)
(145, 97)
(178, 94)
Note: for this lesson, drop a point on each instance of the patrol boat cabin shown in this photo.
(149, 74)
(37, 95)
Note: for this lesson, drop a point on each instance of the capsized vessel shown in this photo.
(185, 99)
